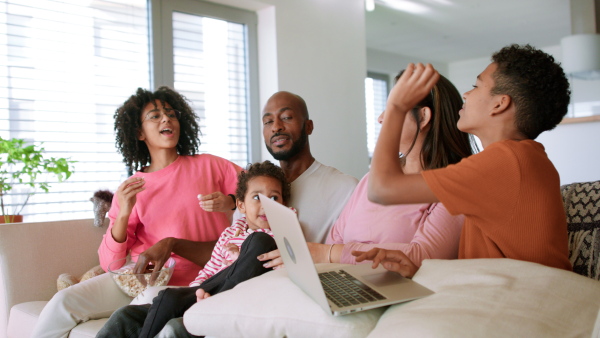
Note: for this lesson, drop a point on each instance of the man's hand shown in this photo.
(217, 201)
(392, 260)
(273, 259)
(154, 258)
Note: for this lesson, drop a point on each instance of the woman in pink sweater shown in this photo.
(155, 213)
(430, 140)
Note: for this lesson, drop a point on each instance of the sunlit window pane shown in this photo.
(375, 97)
(210, 70)
(64, 68)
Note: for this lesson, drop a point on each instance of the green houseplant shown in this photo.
(21, 163)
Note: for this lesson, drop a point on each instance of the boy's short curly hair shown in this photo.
(257, 169)
(536, 84)
(128, 124)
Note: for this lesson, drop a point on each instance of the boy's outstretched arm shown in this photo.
(392, 260)
(387, 182)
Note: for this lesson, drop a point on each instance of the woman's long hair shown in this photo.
(128, 125)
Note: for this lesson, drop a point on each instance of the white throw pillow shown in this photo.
(271, 305)
(495, 298)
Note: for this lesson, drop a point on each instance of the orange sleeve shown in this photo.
(483, 184)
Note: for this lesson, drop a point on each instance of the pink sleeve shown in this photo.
(336, 233)
(216, 259)
(109, 249)
(437, 237)
(230, 170)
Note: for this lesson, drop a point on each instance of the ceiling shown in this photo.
(452, 30)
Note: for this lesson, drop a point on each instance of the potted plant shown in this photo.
(21, 164)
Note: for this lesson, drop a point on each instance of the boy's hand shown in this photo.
(217, 201)
(413, 86)
(392, 260)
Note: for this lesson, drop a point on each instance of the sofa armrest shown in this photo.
(33, 255)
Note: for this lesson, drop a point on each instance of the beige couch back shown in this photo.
(33, 255)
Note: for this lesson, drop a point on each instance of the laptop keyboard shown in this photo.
(345, 290)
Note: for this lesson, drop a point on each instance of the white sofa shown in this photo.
(32, 256)
(473, 298)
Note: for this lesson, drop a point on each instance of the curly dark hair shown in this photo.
(536, 84)
(257, 169)
(128, 124)
(444, 144)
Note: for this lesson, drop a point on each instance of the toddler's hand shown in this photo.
(233, 252)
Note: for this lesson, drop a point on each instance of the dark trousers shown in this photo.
(149, 320)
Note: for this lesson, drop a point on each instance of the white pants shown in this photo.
(94, 298)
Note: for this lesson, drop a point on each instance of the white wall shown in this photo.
(316, 49)
(390, 63)
(574, 150)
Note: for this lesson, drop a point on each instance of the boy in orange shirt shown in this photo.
(509, 192)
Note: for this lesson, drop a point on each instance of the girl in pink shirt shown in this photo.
(233, 258)
(154, 214)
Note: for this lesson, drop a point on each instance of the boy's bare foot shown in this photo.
(201, 294)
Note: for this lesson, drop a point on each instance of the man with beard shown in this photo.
(319, 192)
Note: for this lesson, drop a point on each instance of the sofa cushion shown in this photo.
(495, 298)
(271, 305)
(582, 206)
(23, 317)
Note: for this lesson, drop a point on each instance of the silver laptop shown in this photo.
(347, 289)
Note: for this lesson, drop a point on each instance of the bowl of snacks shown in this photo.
(133, 284)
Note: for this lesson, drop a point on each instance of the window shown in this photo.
(376, 91)
(66, 65)
(210, 70)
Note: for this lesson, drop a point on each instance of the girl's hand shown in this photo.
(233, 252)
(413, 86)
(217, 201)
(392, 260)
(273, 259)
(127, 192)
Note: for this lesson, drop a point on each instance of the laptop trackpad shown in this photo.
(381, 279)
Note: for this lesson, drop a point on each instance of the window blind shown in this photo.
(65, 66)
(375, 97)
(209, 57)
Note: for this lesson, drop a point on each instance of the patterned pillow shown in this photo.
(582, 206)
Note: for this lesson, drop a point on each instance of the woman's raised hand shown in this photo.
(217, 201)
(392, 260)
(412, 87)
(127, 192)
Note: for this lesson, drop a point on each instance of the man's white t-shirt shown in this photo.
(319, 195)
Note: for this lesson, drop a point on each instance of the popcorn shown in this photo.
(131, 284)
